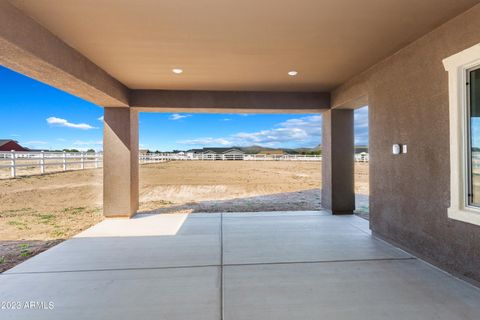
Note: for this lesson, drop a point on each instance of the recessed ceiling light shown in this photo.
(177, 71)
(292, 73)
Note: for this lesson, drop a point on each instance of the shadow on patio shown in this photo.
(288, 201)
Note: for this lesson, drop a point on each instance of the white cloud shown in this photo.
(361, 126)
(208, 141)
(177, 116)
(100, 118)
(305, 130)
(88, 143)
(226, 119)
(64, 123)
(361, 117)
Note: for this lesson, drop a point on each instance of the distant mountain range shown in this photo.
(317, 149)
(265, 150)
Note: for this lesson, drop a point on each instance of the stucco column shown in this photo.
(338, 194)
(120, 162)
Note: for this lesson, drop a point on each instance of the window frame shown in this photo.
(459, 67)
(468, 136)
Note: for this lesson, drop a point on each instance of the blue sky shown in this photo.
(39, 116)
(476, 132)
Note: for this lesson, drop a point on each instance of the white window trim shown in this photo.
(457, 67)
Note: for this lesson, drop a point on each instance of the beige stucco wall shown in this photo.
(338, 195)
(120, 162)
(408, 103)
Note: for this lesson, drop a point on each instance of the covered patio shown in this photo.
(272, 265)
(407, 60)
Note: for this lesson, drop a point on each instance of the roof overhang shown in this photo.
(235, 55)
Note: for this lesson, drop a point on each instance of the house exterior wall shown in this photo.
(407, 95)
(12, 145)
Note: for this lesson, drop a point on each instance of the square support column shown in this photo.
(338, 193)
(120, 162)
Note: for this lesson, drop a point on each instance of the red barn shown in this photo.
(9, 145)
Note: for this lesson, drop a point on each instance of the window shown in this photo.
(464, 110)
(474, 137)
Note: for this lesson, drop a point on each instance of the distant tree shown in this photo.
(90, 150)
(312, 153)
(360, 149)
(70, 150)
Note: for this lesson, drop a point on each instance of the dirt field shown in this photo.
(38, 211)
(32, 166)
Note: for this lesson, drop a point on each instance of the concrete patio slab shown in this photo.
(361, 223)
(276, 214)
(275, 266)
(146, 241)
(373, 290)
(301, 238)
(178, 293)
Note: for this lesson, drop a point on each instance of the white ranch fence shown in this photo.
(30, 163)
(160, 157)
(39, 162)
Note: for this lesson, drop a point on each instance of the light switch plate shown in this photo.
(396, 149)
(404, 148)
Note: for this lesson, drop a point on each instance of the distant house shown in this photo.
(361, 157)
(9, 145)
(144, 151)
(216, 154)
(217, 151)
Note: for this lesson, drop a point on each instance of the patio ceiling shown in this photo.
(247, 45)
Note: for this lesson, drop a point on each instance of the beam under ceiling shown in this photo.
(229, 101)
(29, 48)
